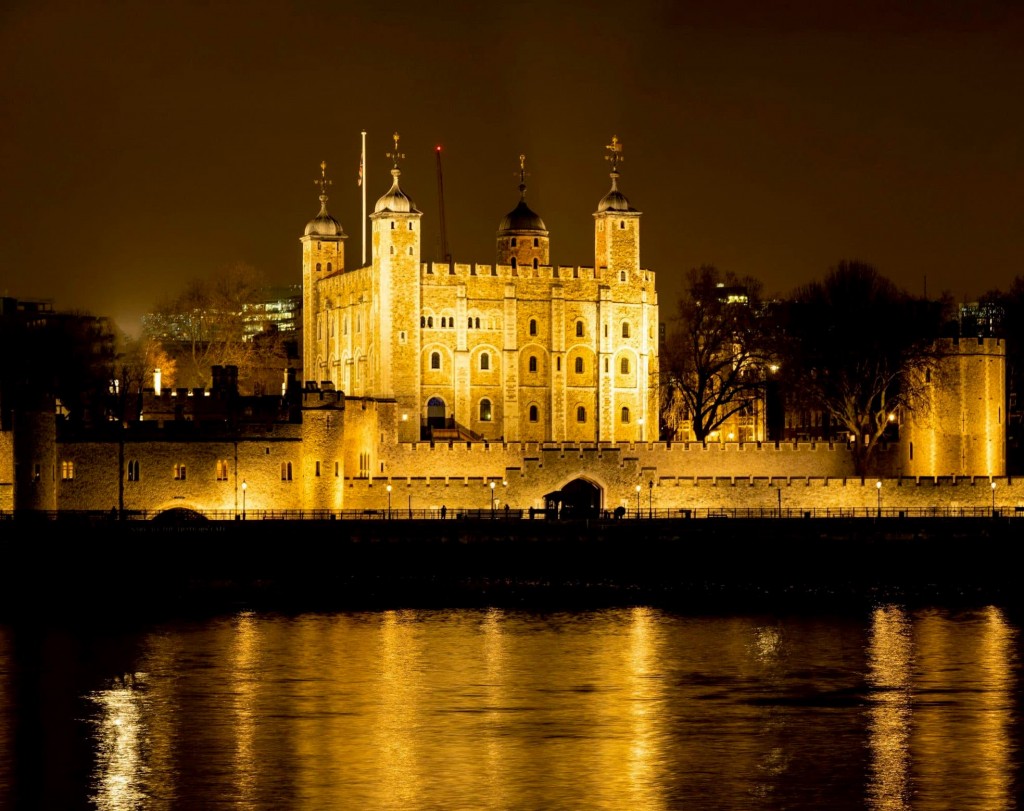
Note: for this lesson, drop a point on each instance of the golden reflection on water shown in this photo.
(890, 666)
(119, 739)
(6, 777)
(247, 677)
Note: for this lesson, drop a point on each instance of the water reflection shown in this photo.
(634, 709)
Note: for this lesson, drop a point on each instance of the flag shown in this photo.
(360, 169)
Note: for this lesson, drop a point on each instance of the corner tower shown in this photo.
(396, 300)
(323, 253)
(522, 235)
(616, 228)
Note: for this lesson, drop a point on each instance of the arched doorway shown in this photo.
(578, 499)
(435, 413)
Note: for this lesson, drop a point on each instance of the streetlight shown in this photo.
(878, 489)
(389, 502)
(638, 501)
(244, 488)
(650, 499)
(492, 500)
(993, 499)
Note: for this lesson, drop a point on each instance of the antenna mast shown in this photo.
(445, 255)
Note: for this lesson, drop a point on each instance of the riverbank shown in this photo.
(697, 565)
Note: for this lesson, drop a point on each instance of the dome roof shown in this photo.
(323, 224)
(521, 218)
(395, 200)
(614, 200)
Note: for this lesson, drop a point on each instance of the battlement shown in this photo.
(552, 273)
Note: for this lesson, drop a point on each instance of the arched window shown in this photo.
(579, 329)
(514, 265)
(622, 275)
(625, 329)
(581, 414)
(476, 323)
(625, 414)
(533, 363)
(622, 225)
(423, 321)
(317, 267)
(533, 413)
(430, 321)
(624, 366)
(485, 411)
(469, 325)
(435, 360)
(533, 326)
(579, 366)
(485, 361)
(328, 267)
(536, 242)
(513, 242)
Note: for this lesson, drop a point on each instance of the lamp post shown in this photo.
(389, 502)
(993, 499)
(650, 499)
(492, 500)
(878, 490)
(638, 501)
(244, 488)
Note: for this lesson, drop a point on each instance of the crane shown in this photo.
(445, 255)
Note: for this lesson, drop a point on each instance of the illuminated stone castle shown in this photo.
(477, 386)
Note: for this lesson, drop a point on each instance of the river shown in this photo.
(625, 709)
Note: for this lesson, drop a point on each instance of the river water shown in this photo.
(626, 709)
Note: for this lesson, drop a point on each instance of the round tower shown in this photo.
(323, 253)
(522, 235)
(396, 299)
(616, 228)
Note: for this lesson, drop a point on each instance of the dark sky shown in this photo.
(146, 144)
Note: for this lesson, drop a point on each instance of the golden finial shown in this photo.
(522, 173)
(396, 156)
(323, 182)
(615, 147)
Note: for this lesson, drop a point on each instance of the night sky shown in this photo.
(146, 144)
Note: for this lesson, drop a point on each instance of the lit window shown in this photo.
(179, 472)
(67, 470)
(286, 471)
(222, 470)
(581, 414)
(435, 360)
(485, 411)
(133, 470)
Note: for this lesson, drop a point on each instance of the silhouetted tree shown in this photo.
(715, 352)
(856, 346)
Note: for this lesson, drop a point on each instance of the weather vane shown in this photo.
(323, 182)
(396, 156)
(615, 147)
(522, 172)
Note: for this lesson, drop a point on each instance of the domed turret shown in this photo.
(617, 229)
(522, 235)
(323, 224)
(614, 200)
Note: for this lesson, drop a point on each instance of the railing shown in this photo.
(500, 514)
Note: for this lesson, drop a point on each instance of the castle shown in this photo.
(474, 387)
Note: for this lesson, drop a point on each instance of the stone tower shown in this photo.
(522, 236)
(394, 318)
(323, 254)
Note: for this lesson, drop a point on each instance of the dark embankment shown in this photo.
(134, 567)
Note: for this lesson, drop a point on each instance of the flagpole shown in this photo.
(362, 182)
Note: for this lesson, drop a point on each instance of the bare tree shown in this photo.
(715, 352)
(858, 347)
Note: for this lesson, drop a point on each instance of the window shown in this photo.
(485, 361)
(513, 242)
(470, 324)
(485, 410)
(533, 326)
(430, 321)
(179, 472)
(133, 470)
(625, 414)
(535, 264)
(536, 242)
(435, 360)
(533, 413)
(533, 363)
(67, 470)
(514, 263)
(344, 326)
(423, 321)
(581, 414)
(37, 472)
(222, 470)
(317, 471)
(286, 471)
(622, 275)
(579, 329)
(606, 365)
(625, 329)
(622, 225)
(328, 267)
(624, 366)
(317, 267)
(558, 364)
(579, 366)
(410, 225)
(392, 226)
(476, 323)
